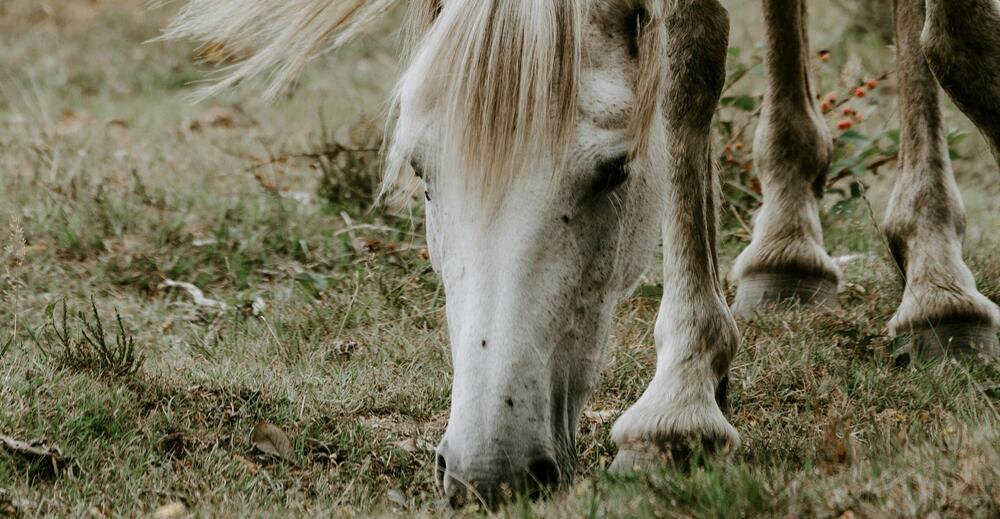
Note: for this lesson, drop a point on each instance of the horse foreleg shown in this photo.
(786, 259)
(681, 410)
(961, 41)
(941, 309)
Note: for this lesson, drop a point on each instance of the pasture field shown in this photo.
(322, 317)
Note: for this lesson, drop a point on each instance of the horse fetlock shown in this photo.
(658, 432)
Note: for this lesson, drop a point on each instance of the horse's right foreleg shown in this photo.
(696, 336)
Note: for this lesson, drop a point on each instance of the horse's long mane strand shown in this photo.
(282, 34)
(503, 78)
(500, 77)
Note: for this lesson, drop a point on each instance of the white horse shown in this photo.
(559, 140)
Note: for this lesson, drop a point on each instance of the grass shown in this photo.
(333, 329)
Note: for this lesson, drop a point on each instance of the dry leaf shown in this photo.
(605, 416)
(840, 446)
(413, 446)
(252, 467)
(344, 348)
(218, 117)
(33, 449)
(37, 450)
(269, 439)
(408, 445)
(13, 506)
(72, 122)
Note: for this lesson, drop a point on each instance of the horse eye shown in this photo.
(611, 174)
(418, 168)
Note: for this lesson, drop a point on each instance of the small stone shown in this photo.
(170, 511)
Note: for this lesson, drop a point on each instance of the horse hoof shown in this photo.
(957, 340)
(757, 292)
(630, 460)
(680, 454)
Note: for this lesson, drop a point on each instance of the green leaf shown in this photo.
(648, 291)
(956, 136)
(854, 136)
(746, 103)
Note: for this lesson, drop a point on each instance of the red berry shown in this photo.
(831, 97)
(844, 125)
(849, 111)
(859, 117)
(825, 106)
(871, 84)
(859, 92)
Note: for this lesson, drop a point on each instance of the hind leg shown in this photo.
(942, 311)
(786, 259)
(961, 41)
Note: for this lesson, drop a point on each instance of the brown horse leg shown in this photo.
(786, 259)
(961, 41)
(941, 309)
(681, 410)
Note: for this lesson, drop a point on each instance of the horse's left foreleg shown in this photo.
(695, 333)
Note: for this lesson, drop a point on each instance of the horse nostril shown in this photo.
(440, 472)
(544, 473)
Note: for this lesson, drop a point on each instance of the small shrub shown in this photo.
(83, 345)
(349, 173)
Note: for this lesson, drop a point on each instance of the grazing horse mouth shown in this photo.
(489, 487)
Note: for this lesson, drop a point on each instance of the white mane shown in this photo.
(500, 75)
